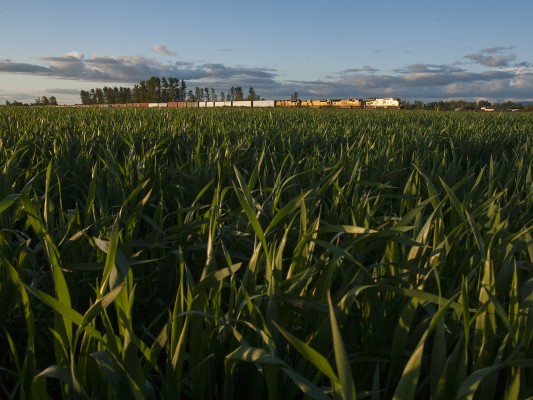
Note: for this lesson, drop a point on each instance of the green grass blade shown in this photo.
(341, 357)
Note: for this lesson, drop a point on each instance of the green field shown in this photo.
(280, 254)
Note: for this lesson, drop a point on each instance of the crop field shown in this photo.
(277, 254)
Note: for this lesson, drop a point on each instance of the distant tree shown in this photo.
(294, 96)
(213, 95)
(222, 96)
(418, 105)
(173, 89)
(99, 96)
(164, 97)
(109, 95)
(136, 94)
(85, 97)
(124, 95)
(191, 96)
(42, 101)
(251, 94)
(239, 96)
(53, 101)
(198, 94)
(207, 94)
(15, 103)
(508, 105)
(183, 90)
(153, 88)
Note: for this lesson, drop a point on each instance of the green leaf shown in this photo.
(341, 358)
(254, 354)
(305, 385)
(310, 354)
(8, 201)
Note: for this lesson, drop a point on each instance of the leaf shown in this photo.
(350, 229)
(305, 385)
(341, 358)
(254, 354)
(8, 201)
(215, 277)
(406, 388)
(288, 208)
(472, 382)
(310, 354)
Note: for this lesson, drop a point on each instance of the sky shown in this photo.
(412, 49)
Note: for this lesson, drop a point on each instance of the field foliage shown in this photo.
(291, 254)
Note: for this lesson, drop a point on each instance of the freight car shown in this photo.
(380, 103)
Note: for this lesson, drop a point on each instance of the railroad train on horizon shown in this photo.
(373, 103)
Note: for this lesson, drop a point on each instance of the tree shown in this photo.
(198, 94)
(183, 90)
(164, 90)
(124, 95)
(99, 96)
(239, 96)
(153, 90)
(251, 94)
(109, 95)
(136, 94)
(173, 89)
(294, 96)
(418, 105)
(15, 103)
(85, 97)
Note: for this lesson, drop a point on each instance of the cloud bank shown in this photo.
(497, 75)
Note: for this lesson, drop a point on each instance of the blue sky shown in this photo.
(411, 49)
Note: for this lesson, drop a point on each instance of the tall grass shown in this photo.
(267, 253)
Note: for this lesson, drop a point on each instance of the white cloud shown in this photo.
(75, 54)
(162, 50)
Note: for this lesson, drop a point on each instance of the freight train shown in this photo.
(387, 103)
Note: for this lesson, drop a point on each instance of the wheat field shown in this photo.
(230, 253)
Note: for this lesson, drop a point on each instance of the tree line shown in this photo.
(449, 105)
(153, 90)
(161, 90)
(235, 93)
(39, 101)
